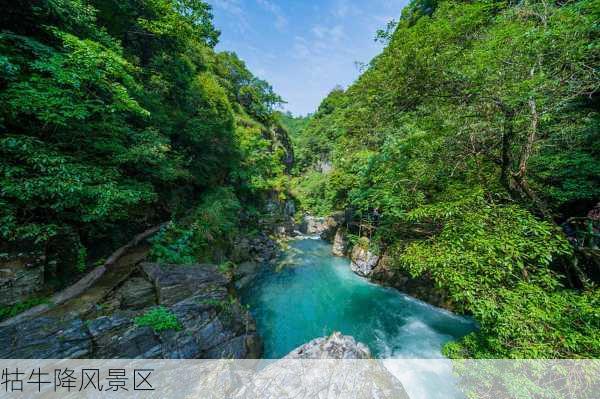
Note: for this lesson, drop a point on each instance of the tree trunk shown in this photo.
(520, 177)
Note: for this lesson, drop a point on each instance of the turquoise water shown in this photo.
(310, 294)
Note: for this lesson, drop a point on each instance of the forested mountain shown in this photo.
(469, 152)
(119, 114)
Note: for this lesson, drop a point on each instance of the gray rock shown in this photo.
(235, 348)
(202, 329)
(213, 323)
(337, 346)
(324, 167)
(332, 224)
(207, 328)
(363, 262)
(246, 269)
(47, 338)
(357, 376)
(175, 283)
(340, 243)
(117, 337)
(258, 249)
(136, 293)
(289, 208)
(325, 227)
(244, 273)
(312, 225)
(281, 230)
(241, 250)
(21, 275)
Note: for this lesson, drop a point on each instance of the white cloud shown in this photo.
(231, 6)
(316, 45)
(235, 9)
(344, 8)
(281, 21)
(334, 33)
(301, 49)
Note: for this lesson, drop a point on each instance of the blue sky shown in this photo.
(303, 48)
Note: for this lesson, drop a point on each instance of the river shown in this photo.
(310, 293)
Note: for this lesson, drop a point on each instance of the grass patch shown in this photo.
(159, 319)
(6, 312)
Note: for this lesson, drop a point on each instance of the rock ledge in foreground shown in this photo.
(336, 346)
(334, 366)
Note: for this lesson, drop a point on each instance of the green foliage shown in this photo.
(159, 319)
(261, 168)
(530, 322)
(494, 261)
(81, 259)
(6, 312)
(295, 125)
(121, 113)
(172, 245)
(226, 267)
(256, 96)
(309, 190)
(315, 142)
(463, 142)
(212, 224)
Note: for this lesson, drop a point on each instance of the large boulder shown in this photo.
(136, 293)
(363, 261)
(118, 337)
(174, 283)
(260, 248)
(324, 227)
(244, 273)
(340, 243)
(289, 208)
(312, 225)
(209, 330)
(342, 368)
(336, 346)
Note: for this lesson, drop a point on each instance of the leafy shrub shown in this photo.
(529, 322)
(310, 191)
(6, 312)
(260, 169)
(496, 262)
(213, 224)
(173, 245)
(159, 319)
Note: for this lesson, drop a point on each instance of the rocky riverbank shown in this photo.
(377, 266)
(201, 298)
(212, 322)
(97, 316)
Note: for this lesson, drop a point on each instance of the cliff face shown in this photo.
(281, 137)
